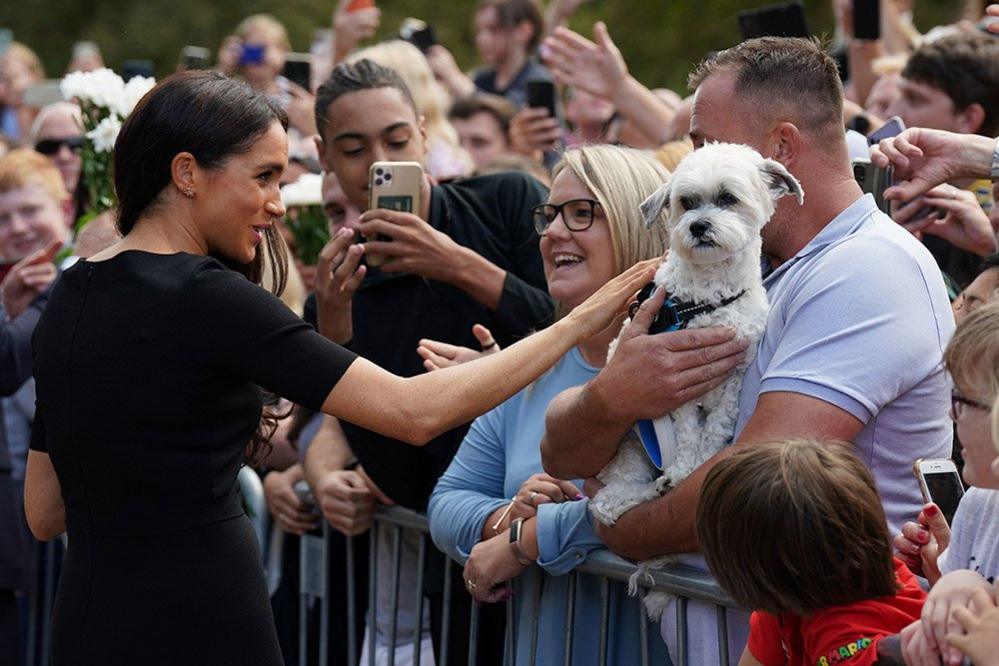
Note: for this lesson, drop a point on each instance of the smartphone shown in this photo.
(355, 5)
(195, 57)
(786, 19)
(251, 54)
(136, 67)
(298, 69)
(393, 186)
(874, 180)
(418, 33)
(541, 94)
(940, 483)
(892, 127)
(867, 19)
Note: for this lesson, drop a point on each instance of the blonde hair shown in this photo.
(266, 23)
(50, 110)
(889, 64)
(620, 179)
(432, 101)
(670, 154)
(27, 57)
(972, 357)
(22, 167)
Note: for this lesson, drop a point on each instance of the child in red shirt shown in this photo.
(795, 531)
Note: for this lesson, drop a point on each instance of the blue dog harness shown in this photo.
(674, 315)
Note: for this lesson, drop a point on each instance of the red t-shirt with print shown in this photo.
(842, 634)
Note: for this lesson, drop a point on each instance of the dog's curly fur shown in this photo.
(727, 193)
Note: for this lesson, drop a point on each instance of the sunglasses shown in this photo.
(53, 146)
(577, 214)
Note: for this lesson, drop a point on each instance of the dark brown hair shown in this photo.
(214, 118)
(512, 12)
(496, 106)
(794, 527)
(965, 67)
(208, 115)
(348, 77)
(789, 73)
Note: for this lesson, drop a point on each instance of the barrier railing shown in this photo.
(685, 583)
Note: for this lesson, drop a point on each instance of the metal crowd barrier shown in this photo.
(683, 582)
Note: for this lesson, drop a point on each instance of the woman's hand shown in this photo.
(227, 59)
(596, 67)
(980, 638)
(953, 591)
(962, 223)
(920, 543)
(537, 490)
(352, 27)
(490, 564)
(302, 110)
(610, 301)
(437, 355)
(533, 131)
(338, 275)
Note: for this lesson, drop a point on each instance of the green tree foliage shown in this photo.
(661, 39)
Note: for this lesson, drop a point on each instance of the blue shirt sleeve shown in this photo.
(838, 332)
(565, 536)
(471, 488)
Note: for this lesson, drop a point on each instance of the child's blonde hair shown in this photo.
(972, 357)
(22, 167)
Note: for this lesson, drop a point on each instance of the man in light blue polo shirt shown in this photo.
(854, 341)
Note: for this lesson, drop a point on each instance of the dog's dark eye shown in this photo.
(689, 202)
(727, 199)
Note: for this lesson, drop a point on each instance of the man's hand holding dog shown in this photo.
(650, 375)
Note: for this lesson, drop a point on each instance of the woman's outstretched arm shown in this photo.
(417, 409)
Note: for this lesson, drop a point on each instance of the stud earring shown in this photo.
(188, 192)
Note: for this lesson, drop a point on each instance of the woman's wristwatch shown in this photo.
(516, 529)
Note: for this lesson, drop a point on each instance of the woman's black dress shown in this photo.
(148, 371)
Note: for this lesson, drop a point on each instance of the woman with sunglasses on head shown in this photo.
(150, 362)
(494, 504)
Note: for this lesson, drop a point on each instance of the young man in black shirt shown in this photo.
(469, 255)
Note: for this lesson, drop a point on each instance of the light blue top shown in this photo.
(859, 318)
(501, 450)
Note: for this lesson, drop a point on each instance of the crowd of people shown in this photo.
(452, 357)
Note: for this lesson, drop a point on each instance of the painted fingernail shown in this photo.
(931, 510)
(923, 537)
(580, 496)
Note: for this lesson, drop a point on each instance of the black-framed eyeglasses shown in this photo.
(958, 402)
(53, 146)
(577, 214)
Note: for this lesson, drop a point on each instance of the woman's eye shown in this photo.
(398, 145)
(583, 214)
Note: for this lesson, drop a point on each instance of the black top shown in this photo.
(516, 92)
(148, 371)
(393, 311)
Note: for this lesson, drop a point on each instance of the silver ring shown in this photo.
(530, 498)
(470, 583)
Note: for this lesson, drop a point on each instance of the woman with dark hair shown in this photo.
(150, 361)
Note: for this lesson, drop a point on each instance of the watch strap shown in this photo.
(994, 171)
(516, 529)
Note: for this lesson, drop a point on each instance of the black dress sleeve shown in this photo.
(238, 328)
(37, 441)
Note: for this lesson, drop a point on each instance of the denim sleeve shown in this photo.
(565, 536)
(471, 488)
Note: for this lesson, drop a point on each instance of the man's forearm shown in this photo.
(581, 433)
(329, 452)
(640, 105)
(479, 278)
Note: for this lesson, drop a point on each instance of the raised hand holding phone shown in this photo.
(27, 279)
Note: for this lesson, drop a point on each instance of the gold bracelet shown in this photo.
(506, 512)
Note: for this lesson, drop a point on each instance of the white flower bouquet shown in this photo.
(105, 100)
(305, 217)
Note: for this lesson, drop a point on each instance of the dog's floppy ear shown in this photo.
(654, 205)
(780, 182)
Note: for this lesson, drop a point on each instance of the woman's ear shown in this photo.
(422, 124)
(184, 172)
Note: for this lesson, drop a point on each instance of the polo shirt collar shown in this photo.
(849, 220)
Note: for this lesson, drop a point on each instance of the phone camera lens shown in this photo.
(379, 171)
(379, 181)
(858, 173)
(388, 177)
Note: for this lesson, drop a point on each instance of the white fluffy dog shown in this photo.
(717, 201)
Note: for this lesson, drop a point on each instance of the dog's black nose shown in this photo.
(699, 228)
